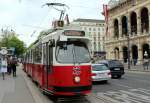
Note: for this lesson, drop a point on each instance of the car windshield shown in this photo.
(115, 63)
(99, 67)
(72, 52)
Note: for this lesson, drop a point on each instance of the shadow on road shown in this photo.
(70, 99)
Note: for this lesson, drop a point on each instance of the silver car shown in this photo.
(100, 72)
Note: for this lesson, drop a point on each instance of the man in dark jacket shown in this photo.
(13, 66)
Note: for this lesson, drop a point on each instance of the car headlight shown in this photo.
(77, 79)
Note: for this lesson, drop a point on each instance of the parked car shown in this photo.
(115, 66)
(100, 72)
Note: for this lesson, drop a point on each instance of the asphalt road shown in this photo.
(131, 88)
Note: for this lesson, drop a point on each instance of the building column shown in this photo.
(138, 22)
(120, 27)
(129, 24)
(120, 53)
(140, 54)
(149, 18)
(111, 33)
(110, 30)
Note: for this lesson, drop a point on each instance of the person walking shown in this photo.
(0, 63)
(146, 63)
(3, 66)
(13, 66)
(9, 66)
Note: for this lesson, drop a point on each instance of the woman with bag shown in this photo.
(3, 66)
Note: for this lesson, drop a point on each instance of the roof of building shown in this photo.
(114, 3)
(89, 20)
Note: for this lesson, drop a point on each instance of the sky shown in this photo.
(28, 17)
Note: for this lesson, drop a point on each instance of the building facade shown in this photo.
(129, 30)
(95, 30)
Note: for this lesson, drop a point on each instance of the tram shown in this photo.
(59, 62)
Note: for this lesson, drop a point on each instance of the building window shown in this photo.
(103, 29)
(89, 29)
(94, 29)
(99, 38)
(99, 46)
(99, 34)
(94, 46)
(94, 38)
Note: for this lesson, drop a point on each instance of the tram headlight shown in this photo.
(77, 79)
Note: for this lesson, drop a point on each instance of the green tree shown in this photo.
(10, 39)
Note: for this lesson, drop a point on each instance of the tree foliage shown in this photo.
(9, 39)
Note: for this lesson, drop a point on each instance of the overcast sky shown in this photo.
(28, 17)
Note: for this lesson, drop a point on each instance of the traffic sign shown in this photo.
(3, 51)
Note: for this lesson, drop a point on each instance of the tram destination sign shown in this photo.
(74, 33)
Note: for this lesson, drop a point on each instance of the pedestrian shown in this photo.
(3, 66)
(134, 61)
(9, 66)
(0, 63)
(146, 63)
(13, 66)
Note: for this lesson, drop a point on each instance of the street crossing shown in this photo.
(138, 95)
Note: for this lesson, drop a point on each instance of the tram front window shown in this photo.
(72, 52)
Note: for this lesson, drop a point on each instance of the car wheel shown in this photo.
(105, 81)
(113, 76)
(119, 76)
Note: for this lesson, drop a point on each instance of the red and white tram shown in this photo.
(60, 63)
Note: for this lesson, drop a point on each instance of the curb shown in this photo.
(137, 71)
(33, 92)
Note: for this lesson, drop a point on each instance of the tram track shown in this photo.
(72, 100)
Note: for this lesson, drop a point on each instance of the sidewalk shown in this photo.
(136, 68)
(15, 89)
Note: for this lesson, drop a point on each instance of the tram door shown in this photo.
(48, 62)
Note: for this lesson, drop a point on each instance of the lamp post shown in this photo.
(128, 42)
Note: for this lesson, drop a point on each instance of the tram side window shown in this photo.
(44, 53)
(31, 53)
(28, 58)
(38, 54)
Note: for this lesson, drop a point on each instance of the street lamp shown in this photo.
(128, 41)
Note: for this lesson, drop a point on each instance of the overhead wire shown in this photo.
(42, 20)
(50, 10)
(40, 23)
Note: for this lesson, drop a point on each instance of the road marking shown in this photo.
(122, 85)
(138, 95)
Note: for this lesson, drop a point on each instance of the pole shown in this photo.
(128, 41)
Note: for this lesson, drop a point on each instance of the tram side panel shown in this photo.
(62, 80)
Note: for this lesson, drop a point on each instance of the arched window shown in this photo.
(144, 20)
(133, 18)
(124, 26)
(116, 29)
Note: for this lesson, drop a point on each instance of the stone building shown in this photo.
(129, 27)
(95, 29)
